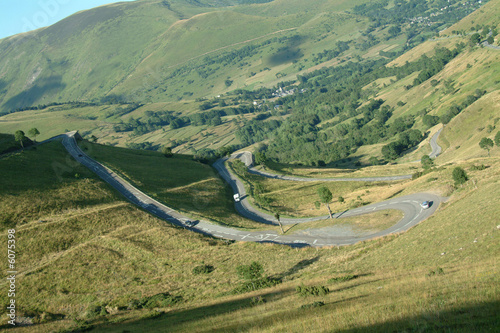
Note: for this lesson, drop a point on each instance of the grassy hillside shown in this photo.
(439, 275)
(86, 258)
(152, 50)
(166, 56)
(179, 182)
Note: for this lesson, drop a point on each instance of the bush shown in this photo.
(438, 271)
(342, 278)
(161, 300)
(478, 167)
(256, 285)
(95, 311)
(250, 272)
(459, 176)
(203, 269)
(312, 305)
(312, 290)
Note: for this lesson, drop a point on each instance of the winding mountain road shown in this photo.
(247, 158)
(436, 149)
(330, 236)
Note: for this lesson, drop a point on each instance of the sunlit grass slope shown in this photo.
(88, 248)
(179, 182)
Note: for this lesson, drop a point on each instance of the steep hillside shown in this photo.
(86, 258)
(95, 260)
(152, 50)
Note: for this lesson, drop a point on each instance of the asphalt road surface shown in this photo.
(409, 205)
(436, 149)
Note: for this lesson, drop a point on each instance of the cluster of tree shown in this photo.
(405, 141)
(123, 110)
(207, 155)
(212, 118)
(143, 145)
(338, 92)
(449, 11)
(389, 54)
(365, 41)
(456, 109)
(433, 66)
(255, 131)
(44, 106)
(24, 141)
(340, 47)
(399, 13)
(152, 122)
(209, 65)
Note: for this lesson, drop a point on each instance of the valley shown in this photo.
(253, 166)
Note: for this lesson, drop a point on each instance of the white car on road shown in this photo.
(236, 197)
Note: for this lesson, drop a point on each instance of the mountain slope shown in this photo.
(152, 50)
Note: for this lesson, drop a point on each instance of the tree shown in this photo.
(167, 151)
(487, 144)
(325, 196)
(427, 162)
(475, 39)
(260, 158)
(392, 150)
(277, 217)
(341, 199)
(33, 133)
(497, 139)
(430, 121)
(19, 136)
(490, 40)
(459, 176)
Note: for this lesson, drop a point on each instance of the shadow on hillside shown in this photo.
(344, 166)
(180, 317)
(468, 318)
(3, 84)
(287, 53)
(31, 96)
(473, 318)
(299, 266)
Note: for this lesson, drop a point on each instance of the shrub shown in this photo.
(161, 300)
(250, 272)
(256, 285)
(312, 290)
(459, 176)
(342, 278)
(312, 305)
(95, 311)
(427, 162)
(478, 167)
(203, 269)
(438, 271)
